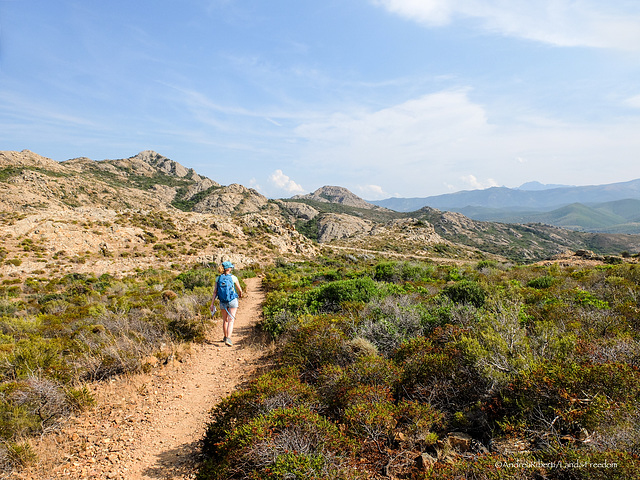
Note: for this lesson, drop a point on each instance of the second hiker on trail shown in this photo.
(227, 289)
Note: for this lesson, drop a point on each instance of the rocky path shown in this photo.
(149, 426)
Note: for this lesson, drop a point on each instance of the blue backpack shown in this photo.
(226, 291)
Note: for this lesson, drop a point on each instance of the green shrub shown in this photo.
(419, 422)
(441, 311)
(388, 322)
(277, 389)
(16, 454)
(589, 300)
(554, 399)
(441, 375)
(370, 414)
(499, 345)
(336, 383)
(484, 264)
(315, 342)
(31, 405)
(546, 281)
(329, 297)
(37, 356)
(284, 443)
(385, 272)
(466, 291)
(197, 278)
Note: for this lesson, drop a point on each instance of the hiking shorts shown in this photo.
(232, 304)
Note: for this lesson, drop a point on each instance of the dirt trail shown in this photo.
(149, 426)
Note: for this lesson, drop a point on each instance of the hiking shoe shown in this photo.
(224, 339)
(228, 342)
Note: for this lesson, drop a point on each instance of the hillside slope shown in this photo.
(620, 216)
(147, 208)
(429, 231)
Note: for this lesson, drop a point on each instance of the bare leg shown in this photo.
(231, 315)
(225, 323)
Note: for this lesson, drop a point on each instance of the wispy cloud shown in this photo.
(402, 133)
(566, 23)
(633, 102)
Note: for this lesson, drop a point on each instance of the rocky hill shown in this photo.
(126, 214)
(147, 209)
(339, 195)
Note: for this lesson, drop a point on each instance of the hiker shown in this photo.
(227, 289)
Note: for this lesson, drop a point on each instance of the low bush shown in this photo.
(283, 443)
(331, 296)
(466, 291)
(370, 415)
(315, 342)
(388, 322)
(336, 383)
(546, 281)
(553, 399)
(278, 389)
(441, 376)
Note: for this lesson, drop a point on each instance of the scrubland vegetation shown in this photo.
(58, 333)
(421, 371)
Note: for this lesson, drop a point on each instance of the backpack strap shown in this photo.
(218, 285)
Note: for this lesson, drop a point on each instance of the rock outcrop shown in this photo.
(340, 195)
(334, 226)
(162, 163)
(232, 200)
(300, 210)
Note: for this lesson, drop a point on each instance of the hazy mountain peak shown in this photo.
(534, 186)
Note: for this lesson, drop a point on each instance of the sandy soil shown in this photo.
(150, 426)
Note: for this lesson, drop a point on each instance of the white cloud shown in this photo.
(371, 192)
(633, 102)
(427, 127)
(434, 141)
(476, 184)
(283, 182)
(253, 183)
(431, 12)
(558, 22)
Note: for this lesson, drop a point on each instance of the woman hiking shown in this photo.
(227, 289)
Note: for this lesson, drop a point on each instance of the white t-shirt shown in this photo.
(233, 278)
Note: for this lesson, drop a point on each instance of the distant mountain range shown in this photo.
(613, 208)
(503, 197)
(541, 186)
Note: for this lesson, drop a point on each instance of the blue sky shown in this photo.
(384, 97)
